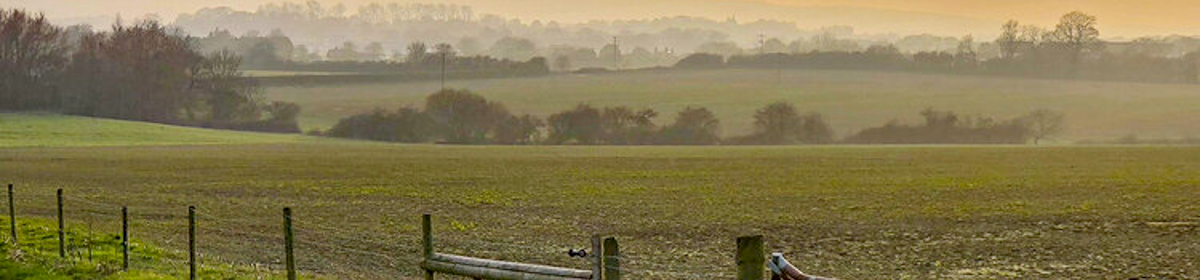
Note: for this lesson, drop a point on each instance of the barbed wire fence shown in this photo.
(251, 244)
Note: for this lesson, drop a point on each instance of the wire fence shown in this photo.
(253, 244)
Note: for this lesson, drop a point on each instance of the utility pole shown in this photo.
(616, 54)
(762, 52)
(443, 71)
(779, 70)
(762, 44)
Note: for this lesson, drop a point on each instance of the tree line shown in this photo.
(1072, 49)
(322, 27)
(142, 71)
(462, 117)
(946, 127)
(369, 63)
(419, 58)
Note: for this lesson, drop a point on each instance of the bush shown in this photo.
(405, 125)
(779, 124)
(693, 126)
(462, 117)
(580, 125)
(944, 127)
(518, 130)
(701, 61)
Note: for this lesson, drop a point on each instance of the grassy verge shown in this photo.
(52, 130)
(93, 255)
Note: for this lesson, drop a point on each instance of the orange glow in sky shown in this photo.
(1118, 17)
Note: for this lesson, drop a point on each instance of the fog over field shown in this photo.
(850, 100)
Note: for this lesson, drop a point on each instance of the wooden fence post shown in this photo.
(62, 240)
(288, 239)
(124, 238)
(597, 258)
(192, 242)
(427, 241)
(12, 217)
(612, 259)
(751, 258)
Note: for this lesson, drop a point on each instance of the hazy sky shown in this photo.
(1118, 17)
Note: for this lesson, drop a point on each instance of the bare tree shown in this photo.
(138, 72)
(1009, 40)
(229, 95)
(32, 54)
(625, 126)
(417, 51)
(1044, 124)
(1077, 33)
(966, 57)
(780, 123)
(445, 49)
(373, 52)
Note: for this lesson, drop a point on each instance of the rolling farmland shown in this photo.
(849, 100)
(852, 212)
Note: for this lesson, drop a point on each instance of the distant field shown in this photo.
(850, 100)
(51, 130)
(277, 73)
(850, 212)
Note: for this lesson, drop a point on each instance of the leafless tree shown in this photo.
(1044, 124)
(32, 55)
(1077, 33)
(1009, 40)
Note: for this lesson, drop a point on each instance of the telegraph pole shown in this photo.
(616, 54)
(762, 44)
(443, 71)
(762, 52)
(779, 70)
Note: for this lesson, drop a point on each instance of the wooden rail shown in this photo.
(478, 268)
(493, 269)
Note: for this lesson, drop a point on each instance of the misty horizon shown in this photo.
(872, 19)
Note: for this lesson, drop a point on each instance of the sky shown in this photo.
(1119, 18)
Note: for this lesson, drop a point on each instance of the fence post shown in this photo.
(289, 239)
(612, 259)
(750, 257)
(597, 259)
(124, 238)
(192, 242)
(427, 241)
(62, 241)
(12, 216)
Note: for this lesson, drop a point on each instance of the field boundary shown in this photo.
(604, 254)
